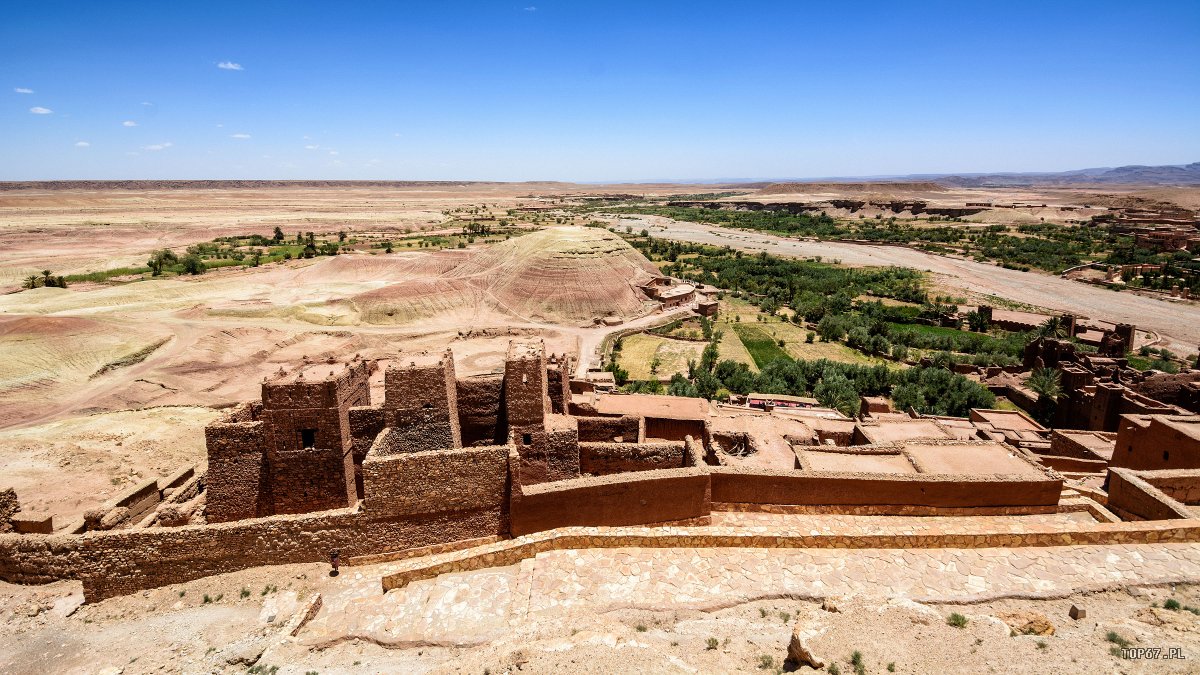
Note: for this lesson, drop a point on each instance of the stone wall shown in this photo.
(602, 459)
(1148, 443)
(673, 430)
(637, 499)
(1066, 443)
(549, 451)
(423, 401)
(1182, 485)
(366, 423)
(238, 483)
(1132, 498)
(9, 506)
(624, 429)
(126, 561)
(481, 410)
(312, 479)
(468, 479)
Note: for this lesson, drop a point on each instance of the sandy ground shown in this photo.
(1177, 322)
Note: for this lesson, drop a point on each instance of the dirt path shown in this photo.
(1178, 323)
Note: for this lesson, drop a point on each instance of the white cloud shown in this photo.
(311, 147)
(240, 137)
(23, 90)
(531, 9)
(83, 144)
(230, 65)
(157, 146)
(129, 123)
(147, 103)
(39, 110)
(333, 152)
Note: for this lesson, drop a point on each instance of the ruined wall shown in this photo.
(424, 404)
(602, 459)
(673, 430)
(9, 506)
(624, 429)
(1132, 498)
(366, 422)
(481, 410)
(468, 479)
(126, 561)
(526, 397)
(761, 486)
(637, 499)
(238, 481)
(1182, 485)
(558, 384)
(549, 451)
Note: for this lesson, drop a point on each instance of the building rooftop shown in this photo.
(309, 372)
(676, 291)
(1014, 420)
(651, 405)
(968, 458)
(782, 397)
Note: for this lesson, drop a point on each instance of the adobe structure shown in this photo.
(444, 463)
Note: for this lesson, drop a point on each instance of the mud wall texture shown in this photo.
(642, 498)
(1148, 444)
(673, 430)
(624, 429)
(9, 506)
(480, 410)
(126, 561)
(424, 404)
(1181, 485)
(751, 486)
(602, 459)
(1132, 498)
(470, 479)
(238, 484)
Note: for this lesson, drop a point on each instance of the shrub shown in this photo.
(641, 628)
(710, 644)
(1172, 604)
(957, 620)
(766, 662)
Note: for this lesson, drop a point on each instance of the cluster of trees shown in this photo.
(47, 280)
(782, 281)
(931, 390)
(1048, 246)
(166, 260)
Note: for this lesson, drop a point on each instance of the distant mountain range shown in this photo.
(1134, 174)
(1178, 174)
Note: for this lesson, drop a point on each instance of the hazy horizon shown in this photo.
(612, 93)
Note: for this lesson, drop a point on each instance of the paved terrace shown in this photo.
(475, 607)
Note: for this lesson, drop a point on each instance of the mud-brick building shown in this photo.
(290, 452)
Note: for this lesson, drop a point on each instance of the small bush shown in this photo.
(957, 620)
(834, 670)
(762, 612)
(766, 662)
(1041, 644)
(244, 593)
(1115, 638)
(856, 660)
(641, 628)
(207, 599)
(1172, 604)
(710, 644)
(892, 667)
(785, 616)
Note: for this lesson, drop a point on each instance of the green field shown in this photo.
(762, 347)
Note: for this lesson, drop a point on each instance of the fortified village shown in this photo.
(452, 474)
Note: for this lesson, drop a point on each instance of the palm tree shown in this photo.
(31, 281)
(46, 278)
(1046, 383)
(1052, 328)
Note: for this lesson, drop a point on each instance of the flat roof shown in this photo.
(861, 462)
(891, 431)
(783, 397)
(974, 458)
(681, 289)
(652, 405)
(1006, 419)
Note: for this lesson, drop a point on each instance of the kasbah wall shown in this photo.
(418, 470)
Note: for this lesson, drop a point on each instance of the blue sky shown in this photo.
(553, 90)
